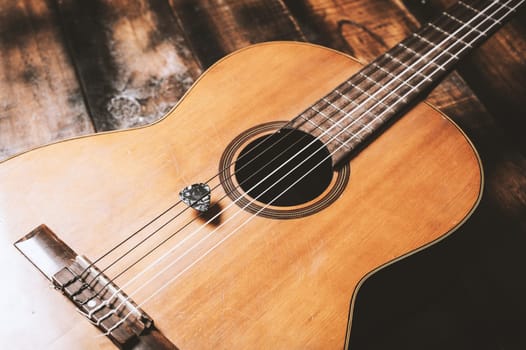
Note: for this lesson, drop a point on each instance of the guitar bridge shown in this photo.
(94, 295)
(99, 300)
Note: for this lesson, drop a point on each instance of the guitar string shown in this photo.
(133, 264)
(174, 205)
(436, 70)
(285, 127)
(170, 220)
(131, 249)
(151, 221)
(200, 258)
(166, 284)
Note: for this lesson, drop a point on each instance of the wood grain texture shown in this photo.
(269, 278)
(216, 28)
(363, 29)
(41, 99)
(131, 58)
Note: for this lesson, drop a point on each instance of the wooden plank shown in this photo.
(131, 58)
(363, 29)
(41, 99)
(216, 28)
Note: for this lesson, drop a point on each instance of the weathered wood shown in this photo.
(363, 29)
(216, 28)
(40, 96)
(131, 58)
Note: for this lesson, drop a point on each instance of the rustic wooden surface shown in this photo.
(70, 68)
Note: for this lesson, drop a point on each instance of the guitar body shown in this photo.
(256, 282)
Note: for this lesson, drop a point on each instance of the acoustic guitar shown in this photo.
(248, 217)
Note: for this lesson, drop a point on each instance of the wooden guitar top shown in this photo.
(250, 282)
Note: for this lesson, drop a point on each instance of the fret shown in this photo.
(321, 108)
(388, 55)
(391, 92)
(347, 116)
(325, 131)
(507, 7)
(480, 12)
(311, 122)
(427, 61)
(406, 67)
(405, 47)
(449, 35)
(427, 41)
(334, 137)
(345, 113)
(367, 94)
(357, 105)
(464, 33)
(463, 23)
(393, 76)
(331, 117)
(329, 103)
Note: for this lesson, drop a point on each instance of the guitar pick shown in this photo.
(196, 196)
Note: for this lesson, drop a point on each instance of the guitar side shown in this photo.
(275, 283)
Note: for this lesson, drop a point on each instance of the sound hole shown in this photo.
(287, 168)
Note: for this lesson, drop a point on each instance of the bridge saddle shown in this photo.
(94, 295)
(108, 308)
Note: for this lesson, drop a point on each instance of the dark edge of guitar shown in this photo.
(417, 250)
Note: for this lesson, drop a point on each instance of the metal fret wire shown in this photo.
(231, 233)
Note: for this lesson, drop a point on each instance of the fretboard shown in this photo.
(354, 111)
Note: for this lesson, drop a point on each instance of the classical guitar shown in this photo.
(249, 215)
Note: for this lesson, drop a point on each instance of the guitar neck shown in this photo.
(361, 105)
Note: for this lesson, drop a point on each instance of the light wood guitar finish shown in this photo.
(273, 283)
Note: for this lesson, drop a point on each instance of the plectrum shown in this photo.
(196, 196)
